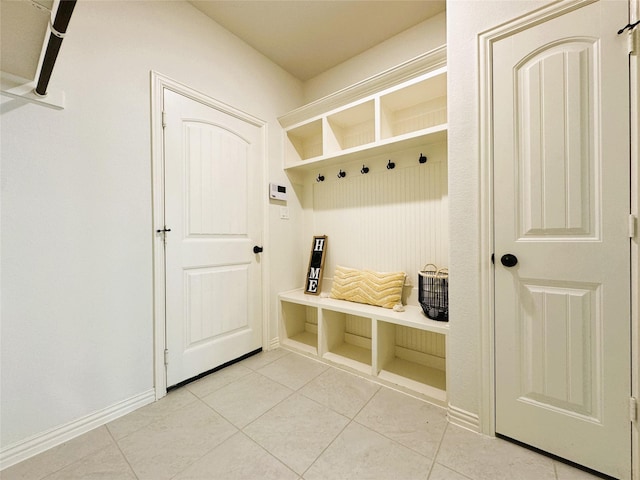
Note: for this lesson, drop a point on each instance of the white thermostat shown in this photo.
(277, 192)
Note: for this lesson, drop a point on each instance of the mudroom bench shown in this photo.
(402, 348)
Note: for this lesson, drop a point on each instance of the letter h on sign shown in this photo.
(316, 265)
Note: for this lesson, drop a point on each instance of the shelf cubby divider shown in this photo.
(339, 345)
(418, 369)
(299, 324)
(415, 107)
(305, 141)
(351, 127)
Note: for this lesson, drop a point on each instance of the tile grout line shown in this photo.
(269, 453)
(298, 391)
(81, 458)
(311, 400)
(392, 439)
(351, 420)
(122, 453)
(213, 448)
(241, 429)
(86, 456)
(327, 447)
(435, 455)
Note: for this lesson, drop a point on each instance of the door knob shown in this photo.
(257, 249)
(509, 260)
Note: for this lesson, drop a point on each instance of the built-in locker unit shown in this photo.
(370, 168)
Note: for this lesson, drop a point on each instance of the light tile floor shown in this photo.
(280, 415)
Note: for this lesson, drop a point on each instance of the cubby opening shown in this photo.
(300, 326)
(413, 358)
(402, 113)
(352, 127)
(347, 340)
(307, 140)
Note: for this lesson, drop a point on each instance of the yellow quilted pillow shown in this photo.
(366, 286)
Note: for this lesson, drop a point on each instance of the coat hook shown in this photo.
(391, 165)
(342, 174)
(422, 159)
(364, 170)
(320, 178)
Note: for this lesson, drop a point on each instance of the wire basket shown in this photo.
(433, 292)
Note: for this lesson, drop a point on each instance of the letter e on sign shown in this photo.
(316, 265)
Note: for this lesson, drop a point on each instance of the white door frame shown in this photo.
(160, 82)
(485, 80)
(634, 83)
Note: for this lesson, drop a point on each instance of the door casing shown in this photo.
(487, 293)
(160, 82)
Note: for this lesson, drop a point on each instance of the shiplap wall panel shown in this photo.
(421, 341)
(358, 326)
(387, 220)
(312, 315)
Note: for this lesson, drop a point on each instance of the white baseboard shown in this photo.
(462, 418)
(41, 442)
(274, 343)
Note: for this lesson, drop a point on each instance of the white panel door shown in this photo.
(561, 186)
(213, 165)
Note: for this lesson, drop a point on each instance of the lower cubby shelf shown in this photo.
(343, 343)
(413, 358)
(299, 324)
(400, 348)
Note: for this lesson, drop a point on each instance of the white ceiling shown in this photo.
(305, 37)
(308, 37)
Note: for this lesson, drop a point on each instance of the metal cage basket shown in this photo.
(433, 292)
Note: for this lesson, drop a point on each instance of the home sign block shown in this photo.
(316, 265)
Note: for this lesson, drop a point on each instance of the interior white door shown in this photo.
(212, 171)
(561, 206)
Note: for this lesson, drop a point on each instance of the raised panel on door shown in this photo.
(217, 161)
(560, 358)
(215, 304)
(556, 125)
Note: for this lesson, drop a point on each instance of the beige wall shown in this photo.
(77, 292)
(409, 44)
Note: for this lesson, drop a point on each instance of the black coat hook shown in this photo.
(342, 174)
(422, 159)
(391, 165)
(364, 170)
(320, 178)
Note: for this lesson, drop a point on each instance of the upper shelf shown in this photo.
(423, 137)
(410, 110)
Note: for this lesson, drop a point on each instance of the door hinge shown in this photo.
(633, 409)
(632, 226)
(633, 41)
(164, 119)
(163, 231)
(166, 356)
(633, 37)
